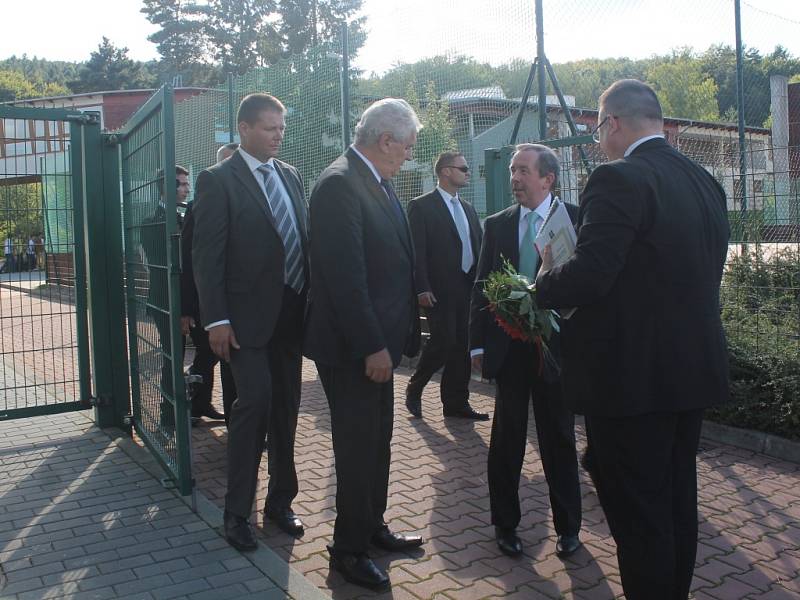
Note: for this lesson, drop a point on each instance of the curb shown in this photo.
(281, 573)
(756, 441)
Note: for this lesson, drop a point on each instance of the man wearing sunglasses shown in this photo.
(447, 241)
(645, 352)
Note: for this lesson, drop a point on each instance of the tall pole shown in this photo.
(541, 70)
(231, 114)
(740, 110)
(345, 85)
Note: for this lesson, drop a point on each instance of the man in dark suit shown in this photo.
(514, 365)
(645, 352)
(204, 359)
(447, 240)
(154, 245)
(362, 317)
(249, 255)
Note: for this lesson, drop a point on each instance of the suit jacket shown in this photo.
(652, 243)
(155, 245)
(190, 302)
(237, 252)
(437, 245)
(362, 297)
(500, 242)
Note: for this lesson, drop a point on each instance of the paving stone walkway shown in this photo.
(749, 509)
(85, 516)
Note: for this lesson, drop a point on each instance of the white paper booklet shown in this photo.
(558, 231)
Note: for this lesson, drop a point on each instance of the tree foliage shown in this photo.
(109, 68)
(684, 89)
(16, 86)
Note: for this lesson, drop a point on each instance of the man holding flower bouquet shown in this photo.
(508, 353)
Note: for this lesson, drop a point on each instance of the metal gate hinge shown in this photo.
(100, 400)
(91, 118)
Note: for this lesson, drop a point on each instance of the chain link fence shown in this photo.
(465, 65)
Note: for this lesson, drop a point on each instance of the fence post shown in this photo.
(740, 110)
(231, 116)
(345, 85)
(541, 70)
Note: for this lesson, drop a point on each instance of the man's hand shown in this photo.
(547, 259)
(477, 363)
(378, 366)
(221, 338)
(187, 323)
(426, 299)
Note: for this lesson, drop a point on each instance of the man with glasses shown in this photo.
(645, 352)
(447, 241)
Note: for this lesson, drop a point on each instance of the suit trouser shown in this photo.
(646, 478)
(286, 367)
(448, 347)
(518, 383)
(203, 364)
(362, 414)
(247, 426)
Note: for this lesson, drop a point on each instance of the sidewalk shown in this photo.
(749, 544)
(84, 516)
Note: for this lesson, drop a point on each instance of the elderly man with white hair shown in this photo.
(362, 318)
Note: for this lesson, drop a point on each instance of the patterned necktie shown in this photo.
(393, 199)
(528, 256)
(279, 205)
(463, 233)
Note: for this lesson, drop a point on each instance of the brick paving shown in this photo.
(84, 515)
(749, 544)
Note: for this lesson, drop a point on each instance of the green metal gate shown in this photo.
(43, 287)
(151, 238)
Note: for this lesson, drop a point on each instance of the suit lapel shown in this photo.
(509, 236)
(474, 225)
(248, 181)
(296, 196)
(379, 195)
(441, 209)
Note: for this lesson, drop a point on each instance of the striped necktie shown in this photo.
(279, 205)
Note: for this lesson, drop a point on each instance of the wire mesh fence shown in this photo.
(465, 65)
(38, 320)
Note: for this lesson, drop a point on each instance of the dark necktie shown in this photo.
(278, 204)
(393, 200)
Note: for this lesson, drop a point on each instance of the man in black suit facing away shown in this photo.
(249, 255)
(514, 365)
(447, 240)
(204, 358)
(362, 317)
(154, 244)
(645, 352)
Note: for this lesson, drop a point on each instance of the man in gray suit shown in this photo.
(362, 317)
(249, 257)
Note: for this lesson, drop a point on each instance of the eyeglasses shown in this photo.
(596, 130)
(463, 169)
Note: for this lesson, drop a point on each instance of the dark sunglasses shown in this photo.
(462, 169)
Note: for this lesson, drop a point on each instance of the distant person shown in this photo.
(447, 241)
(204, 359)
(30, 253)
(645, 351)
(8, 249)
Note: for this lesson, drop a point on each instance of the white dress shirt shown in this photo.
(641, 141)
(457, 212)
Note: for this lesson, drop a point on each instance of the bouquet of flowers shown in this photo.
(512, 301)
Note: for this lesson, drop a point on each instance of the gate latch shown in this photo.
(100, 400)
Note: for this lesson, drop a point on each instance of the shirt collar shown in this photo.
(252, 162)
(641, 141)
(445, 194)
(368, 163)
(540, 210)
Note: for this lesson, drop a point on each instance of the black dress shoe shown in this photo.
(508, 541)
(567, 545)
(209, 413)
(395, 542)
(239, 532)
(414, 406)
(466, 413)
(358, 569)
(286, 520)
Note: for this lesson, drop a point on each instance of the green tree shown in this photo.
(683, 89)
(15, 86)
(436, 135)
(109, 68)
(446, 72)
(180, 40)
